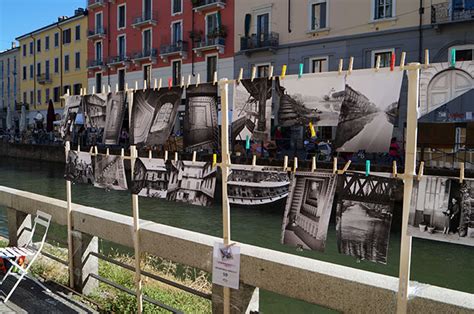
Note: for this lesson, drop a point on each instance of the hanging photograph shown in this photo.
(154, 115)
(150, 178)
(252, 110)
(192, 182)
(256, 185)
(364, 215)
(115, 112)
(308, 209)
(79, 167)
(95, 113)
(200, 120)
(315, 98)
(71, 108)
(110, 172)
(369, 111)
(442, 209)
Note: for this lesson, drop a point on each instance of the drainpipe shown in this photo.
(34, 70)
(289, 16)
(108, 44)
(60, 60)
(192, 43)
(421, 11)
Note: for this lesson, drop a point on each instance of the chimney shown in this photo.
(79, 11)
(13, 44)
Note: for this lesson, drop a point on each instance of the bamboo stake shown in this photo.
(69, 223)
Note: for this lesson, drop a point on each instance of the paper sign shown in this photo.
(226, 265)
(469, 115)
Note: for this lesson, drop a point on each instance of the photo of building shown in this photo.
(150, 178)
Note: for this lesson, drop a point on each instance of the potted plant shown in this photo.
(431, 229)
(422, 226)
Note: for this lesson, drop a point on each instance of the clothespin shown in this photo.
(122, 152)
(313, 164)
(367, 168)
(107, 152)
(96, 151)
(160, 83)
(283, 71)
(351, 64)
(93, 90)
(254, 160)
(136, 85)
(166, 155)
(198, 79)
(241, 75)
(155, 84)
(377, 64)
(285, 163)
(80, 92)
(334, 165)
(341, 65)
(78, 147)
(126, 86)
(453, 57)
(68, 92)
(85, 91)
(170, 82)
(427, 58)
(247, 142)
(402, 60)
(108, 88)
(144, 85)
(270, 73)
(214, 160)
(116, 87)
(295, 164)
(182, 82)
(254, 73)
(150, 154)
(392, 62)
(194, 156)
(175, 156)
(91, 150)
(420, 171)
(300, 72)
(189, 81)
(311, 129)
(346, 166)
(461, 172)
(394, 169)
(214, 82)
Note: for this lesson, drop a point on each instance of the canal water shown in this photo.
(435, 263)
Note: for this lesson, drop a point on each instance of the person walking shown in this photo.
(454, 216)
(394, 151)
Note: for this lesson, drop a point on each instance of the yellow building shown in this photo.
(53, 59)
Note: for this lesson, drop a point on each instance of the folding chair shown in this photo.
(29, 251)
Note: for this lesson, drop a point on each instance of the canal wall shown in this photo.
(34, 152)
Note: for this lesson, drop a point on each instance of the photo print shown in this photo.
(252, 110)
(308, 209)
(256, 185)
(192, 182)
(442, 209)
(71, 109)
(364, 215)
(154, 115)
(200, 120)
(150, 178)
(95, 113)
(110, 172)
(315, 98)
(369, 111)
(79, 167)
(115, 113)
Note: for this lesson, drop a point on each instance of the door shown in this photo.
(121, 47)
(211, 25)
(177, 33)
(263, 26)
(147, 74)
(98, 22)
(121, 79)
(98, 82)
(446, 86)
(211, 67)
(98, 51)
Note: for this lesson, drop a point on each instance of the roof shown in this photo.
(154, 164)
(9, 50)
(64, 21)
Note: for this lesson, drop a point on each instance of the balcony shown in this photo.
(93, 4)
(96, 64)
(118, 61)
(447, 12)
(145, 19)
(97, 33)
(202, 5)
(145, 55)
(262, 42)
(210, 43)
(179, 48)
(44, 79)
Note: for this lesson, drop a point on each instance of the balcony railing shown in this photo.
(447, 12)
(201, 5)
(259, 42)
(98, 32)
(44, 78)
(145, 54)
(210, 43)
(97, 63)
(177, 48)
(145, 19)
(91, 4)
(117, 60)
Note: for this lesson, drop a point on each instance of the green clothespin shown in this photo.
(453, 57)
(247, 142)
(300, 73)
(367, 168)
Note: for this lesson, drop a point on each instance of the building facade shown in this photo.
(52, 61)
(131, 42)
(9, 86)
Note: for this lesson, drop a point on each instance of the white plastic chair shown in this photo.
(29, 251)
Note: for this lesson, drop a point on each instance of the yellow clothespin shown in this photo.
(346, 166)
(93, 90)
(103, 89)
(108, 88)
(420, 171)
(427, 58)
(150, 154)
(214, 160)
(160, 83)
(155, 85)
(96, 150)
(91, 150)
(175, 156)
(283, 71)
(107, 151)
(78, 147)
(189, 81)
(122, 152)
(116, 87)
(126, 86)
(144, 85)
(394, 169)
(136, 85)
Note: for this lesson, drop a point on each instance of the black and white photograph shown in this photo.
(442, 209)
(315, 98)
(364, 215)
(192, 182)
(154, 115)
(79, 168)
(308, 209)
(150, 178)
(369, 111)
(200, 120)
(249, 185)
(95, 113)
(110, 172)
(252, 110)
(71, 108)
(115, 113)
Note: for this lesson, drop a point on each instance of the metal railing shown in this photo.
(145, 53)
(98, 31)
(95, 63)
(259, 41)
(118, 59)
(145, 18)
(94, 3)
(211, 41)
(199, 4)
(179, 46)
(44, 78)
(449, 12)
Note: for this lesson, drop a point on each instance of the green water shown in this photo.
(435, 263)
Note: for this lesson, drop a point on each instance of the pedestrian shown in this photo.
(454, 216)
(394, 151)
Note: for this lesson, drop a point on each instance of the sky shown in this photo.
(18, 17)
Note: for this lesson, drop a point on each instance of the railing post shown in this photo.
(19, 227)
(244, 300)
(84, 263)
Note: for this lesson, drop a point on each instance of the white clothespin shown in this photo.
(341, 65)
(214, 82)
(351, 64)
(270, 73)
(402, 60)
(198, 79)
(254, 73)
(241, 75)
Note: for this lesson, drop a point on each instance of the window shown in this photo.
(76, 90)
(24, 50)
(46, 43)
(176, 32)
(263, 70)
(121, 46)
(383, 9)
(46, 68)
(98, 82)
(98, 22)
(211, 24)
(147, 9)
(318, 14)
(56, 94)
(38, 92)
(385, 57)
(176, 72)
(146, 41)
(32, 97)
(66, 63)
(121, 79)
(319, 64)
(211, 63)
(98, 51)
(32, 69)
(176, 6)
(24, 72)
(31, 47)
(78, 32)
(38, 45)
(38, 69)
(263, 26)
(46, 95)
(463, 53)
(56, 39)
(56, 65)
(67, 36)
(24, 98)
(78, 60)
(147, 74)
(121, 16)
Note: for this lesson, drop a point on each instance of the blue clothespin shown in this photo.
(247, 142)
(367, 168)
(300, 73)
(453, 57)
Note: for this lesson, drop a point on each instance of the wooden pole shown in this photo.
(136, 237)
(410, 161)
(225, 164)
(69, 223)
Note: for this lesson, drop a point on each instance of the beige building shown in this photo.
(9, 86)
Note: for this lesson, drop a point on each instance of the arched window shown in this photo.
(446, 86)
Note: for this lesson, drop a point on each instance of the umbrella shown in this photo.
(9, 118)
(50, 117)
(23, 119)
